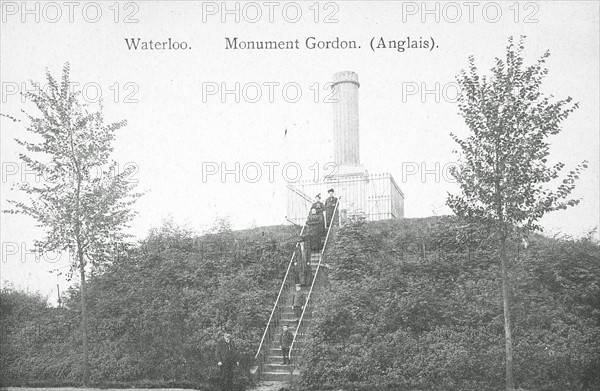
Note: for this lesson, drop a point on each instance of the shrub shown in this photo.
(416, 304)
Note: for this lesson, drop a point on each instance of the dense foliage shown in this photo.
(416, 304)
(410, 304)
(155, 312)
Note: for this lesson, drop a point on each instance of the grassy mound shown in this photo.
(156, 312)
(416, 304)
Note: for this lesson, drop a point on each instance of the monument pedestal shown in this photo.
(374, 196)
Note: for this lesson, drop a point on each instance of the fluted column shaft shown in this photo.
(345, 119)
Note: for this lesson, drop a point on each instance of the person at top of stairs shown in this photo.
(330, 204)
(298, 302)
(318, 205)
(285, 341)
(320, 208)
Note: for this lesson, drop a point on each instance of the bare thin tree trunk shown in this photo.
(86, 363)
(500, 210)
(80, 258)
(507, 325)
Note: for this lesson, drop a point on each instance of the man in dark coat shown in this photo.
(227, 359)
(285, 341)
(330, 204)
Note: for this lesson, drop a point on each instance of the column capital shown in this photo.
(345, 77)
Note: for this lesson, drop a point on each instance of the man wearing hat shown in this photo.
(226, 356)
(285, 341)
(330, 204)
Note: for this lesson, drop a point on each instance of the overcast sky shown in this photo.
(179, 122)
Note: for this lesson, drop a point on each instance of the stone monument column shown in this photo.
(346, 145)
(345, 119)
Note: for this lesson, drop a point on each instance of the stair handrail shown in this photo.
(299, 192)
(278, 296)
(331, 224)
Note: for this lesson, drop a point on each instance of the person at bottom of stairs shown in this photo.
(227, 358)
(298, 302)
(285, 341)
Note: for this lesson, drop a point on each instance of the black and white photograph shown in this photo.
(300, 195)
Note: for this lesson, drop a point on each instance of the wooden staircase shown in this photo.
(274, 370)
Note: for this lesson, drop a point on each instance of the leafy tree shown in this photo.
(81, 200)
(503, 171)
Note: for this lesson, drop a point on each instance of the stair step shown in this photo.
(274, 360)
(293, 323)
(278, 367)
(274, 354)
(275, 346)
(271, 359)
(273, 351)
(292, 329)
(279, 370)
(298, 338)
(278, 376)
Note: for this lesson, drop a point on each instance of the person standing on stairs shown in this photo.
(318, 205)
(315, 225)
(227, 359)
(320, 208)
(298, 302)
(301, 260)
(308, 276)
(330, 204)
(285, 341)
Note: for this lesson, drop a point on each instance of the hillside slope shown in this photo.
(410, 304)
(416, 304)
(156, 311)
